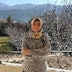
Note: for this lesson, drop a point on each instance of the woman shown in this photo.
(35, 48)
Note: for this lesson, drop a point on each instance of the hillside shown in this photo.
(24, 12)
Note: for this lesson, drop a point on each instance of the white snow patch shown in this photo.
(11, 64)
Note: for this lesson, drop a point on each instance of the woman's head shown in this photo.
(36, 24)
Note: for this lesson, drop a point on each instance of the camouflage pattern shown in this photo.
(40, 48)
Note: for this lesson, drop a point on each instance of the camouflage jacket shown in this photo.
(38, 47)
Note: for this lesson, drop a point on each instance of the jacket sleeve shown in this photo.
(46, 49)
(24, 46)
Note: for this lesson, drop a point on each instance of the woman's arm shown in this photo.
(24, 49)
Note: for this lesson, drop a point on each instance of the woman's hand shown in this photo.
(26, 52)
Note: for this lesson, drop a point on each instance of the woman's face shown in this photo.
(36, 26)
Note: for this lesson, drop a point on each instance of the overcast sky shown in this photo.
(13, 2)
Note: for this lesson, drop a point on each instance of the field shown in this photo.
(4, 39)
(4, 68)
(5, 45)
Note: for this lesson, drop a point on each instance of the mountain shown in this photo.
(4, 6)
(21, 15)
(24, 12)
(26, 6)
(22, 6)
(17, 6)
